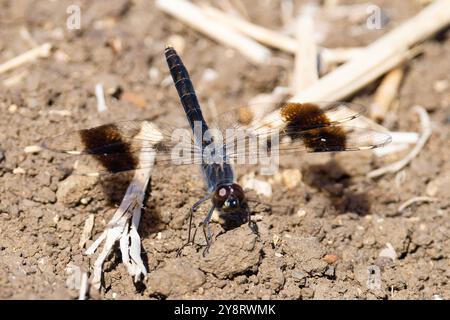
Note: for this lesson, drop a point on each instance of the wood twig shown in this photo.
(426, 133)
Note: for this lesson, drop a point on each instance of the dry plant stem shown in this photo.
(426, 132)
(305, 69)
(287, 11)
(376, 59)
(386, 93)
(411, 201)
(16, 78)
(353, 12)
(266, 36)
(42, 51)
(84, 286)
(193, 16)
(123, 227)
(275, 39)
(239, 7)
(380, 56)
(338, 55)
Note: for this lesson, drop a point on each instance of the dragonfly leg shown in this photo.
(191, 214)
(252, 225)
(207, 231)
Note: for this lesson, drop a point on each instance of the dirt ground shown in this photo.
(319, 239)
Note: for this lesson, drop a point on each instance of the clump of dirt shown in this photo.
(321, 238)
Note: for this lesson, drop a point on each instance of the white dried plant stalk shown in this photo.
(123, 226)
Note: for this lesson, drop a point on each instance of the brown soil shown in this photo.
(317, 240)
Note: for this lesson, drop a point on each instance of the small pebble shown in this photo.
(116, 45)
(330, 258)
(154, 73)
(278, 255)
(301, 213)
(12, 108)
(62, 113)
(209, 75)
(61, 56)
(298, 275)
(275, 239)
(441, 85)
(329, 272)
(291, 178)
(32, 149)
(260, 186)
(19, 170)
(134, 98)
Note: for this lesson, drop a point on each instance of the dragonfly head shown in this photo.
(228, 197)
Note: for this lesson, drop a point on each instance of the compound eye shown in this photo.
(233, 203)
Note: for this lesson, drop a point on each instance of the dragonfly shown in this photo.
(298, 127)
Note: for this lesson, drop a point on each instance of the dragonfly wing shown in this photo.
(125, 146)
(326, 139)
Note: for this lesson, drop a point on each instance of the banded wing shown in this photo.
(307, 127)
(124, 146)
